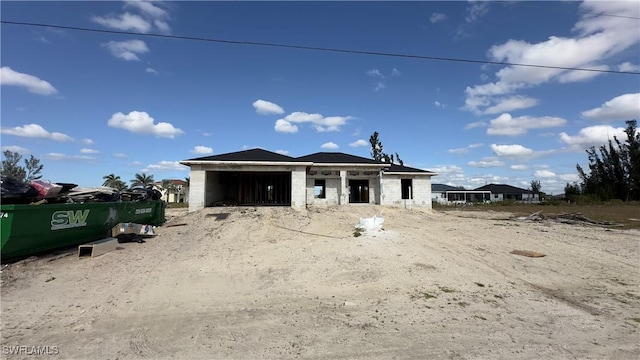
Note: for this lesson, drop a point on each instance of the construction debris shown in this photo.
(528, 253)
(565, 218)
(580, 219)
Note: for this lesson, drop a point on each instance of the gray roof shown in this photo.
(337, 158)
(406, 169)
(503, 189)
(443, 188)
(248, 155)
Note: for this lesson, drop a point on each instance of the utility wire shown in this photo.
(314, 48)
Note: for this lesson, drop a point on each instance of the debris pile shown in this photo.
(567, 218)
(38, 192)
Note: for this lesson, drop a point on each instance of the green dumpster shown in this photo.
(31, 229)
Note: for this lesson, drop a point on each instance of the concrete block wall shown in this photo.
(299, 187)
(392, 191)
(332, 191)
(196, 193)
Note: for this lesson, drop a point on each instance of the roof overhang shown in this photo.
(350, 165)
(410, 173)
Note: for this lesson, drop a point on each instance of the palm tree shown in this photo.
(142, 180)
(114, 182)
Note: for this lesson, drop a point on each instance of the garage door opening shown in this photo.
(257, 188)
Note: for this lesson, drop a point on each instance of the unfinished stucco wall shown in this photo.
(197, 189)
(299, 187)
(422, 191)
(214, 191)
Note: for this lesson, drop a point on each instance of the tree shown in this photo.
(30, 171)
(114, 181)
(614, 172)
(142, 180)
(378, 154)
(535, 186)
(169, 186)
(572, 191)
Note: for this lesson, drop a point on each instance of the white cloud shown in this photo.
(282, 152)
(510, 126)
(544, 174)
(437, 17)
(87, 141)
(379, 86)
(202, 150)
(88, 151)
(32, 83)
(149, 8)
(165, 166)
(329, 145)
(375, 73)
(519, 167)
(124, 22)
(127, 50)
(628, 67)
(267, 108)
(120, 155)
(35, 131)
(475, 124)
(511, 103)
(623, 107)
(486, 163)
(395, 72)
(285, 127)
(593, 136)
(16, 149)
(569, 177)
(359, 143)
(319, 122)
(151, 71)
(140, 122)
(476, 11)
(465, 149)
(514, 150)
(64, 157)
(597, 39)
(438, 104)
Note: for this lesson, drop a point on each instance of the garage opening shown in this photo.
(358, 191)
(257, 188)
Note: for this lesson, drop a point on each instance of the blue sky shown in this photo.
(88, 104)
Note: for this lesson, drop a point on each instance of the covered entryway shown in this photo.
(359, 191)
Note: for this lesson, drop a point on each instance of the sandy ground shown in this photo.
(274, 283)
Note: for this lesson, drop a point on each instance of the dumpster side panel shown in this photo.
(30, 229)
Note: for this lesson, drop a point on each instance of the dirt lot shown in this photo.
(274, 283)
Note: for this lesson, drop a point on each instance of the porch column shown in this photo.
(198, 184)
(344, 190)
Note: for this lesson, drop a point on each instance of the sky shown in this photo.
(94, 103)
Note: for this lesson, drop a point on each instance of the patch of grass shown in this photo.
(357, 233)
(422, 295)
(635, 319)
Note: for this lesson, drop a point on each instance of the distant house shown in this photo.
(445, 195)
(176, 192)
(502, 192)
(260, 177)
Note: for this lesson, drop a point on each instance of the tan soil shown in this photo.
(274, 283)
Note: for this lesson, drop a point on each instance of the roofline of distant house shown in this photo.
(410, 173)
(350, 165)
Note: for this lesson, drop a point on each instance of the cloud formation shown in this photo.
(35, 131)
(507, 125)
(593, 136)
(127, 50)
(465, 149)
(514, 150)
(202, 150)
(33, 84)
(140, 122)
(165, 166)
(437, 17)
(330, 145)
(597, 39)
(623, 107)
(265, 107)
(317, 121)
(150, 16)
(359, 143)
